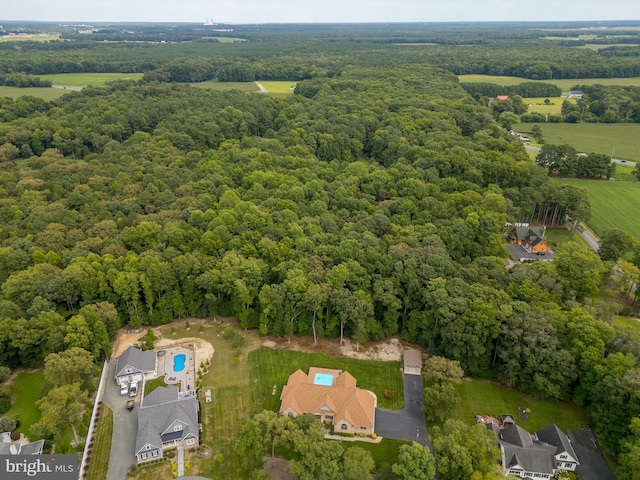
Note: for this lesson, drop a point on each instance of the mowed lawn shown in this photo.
(45, 93)
(99, 460)
(85, 79)
(613, 204)
(488, 398)
(271, 368)
(537, 105)
(216, 85)
(25, 390)
(621, 139)
(283, 87)
(564, 84)
(632, 323)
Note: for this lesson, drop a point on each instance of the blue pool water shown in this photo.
(325, 379)
(179, 361)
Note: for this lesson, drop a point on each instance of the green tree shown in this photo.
(614, 244)
(357, 463)
(629, 460)
(439, 369)
(5, 372)
(439, 400)
(415, 462)
(581, 271)
(60, 408)
(71, 366)
(249, 446)
(275, 429)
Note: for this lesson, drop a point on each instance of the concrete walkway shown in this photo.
(180, 460)
(408, 423)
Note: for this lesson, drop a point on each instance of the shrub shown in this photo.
(374, 436)
(388, 393)
(5, 404)
(8, 424)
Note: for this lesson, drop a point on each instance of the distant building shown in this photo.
(502, 97)
(577, 94)
(332, 396)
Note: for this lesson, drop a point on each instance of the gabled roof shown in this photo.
(556, 437)
(528, 234)
(412, 357)
(16, 448)
(516, 435)
(537, 458)
(137, 360)
(159, 411)
(348, 402)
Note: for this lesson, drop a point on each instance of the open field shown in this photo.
(41, 92)
(216, 85)
(599, 46)
(283, 87)
(30, 38)
(99, 462)
(85, 79)
(624, 173)
(226, 39)
(613, 204)
(562, 237)
(271, 367)
(537, 105)
(489, 398)
(25, 390)
(564, 84)
(632, 323)
(385, 452)
(620, 140)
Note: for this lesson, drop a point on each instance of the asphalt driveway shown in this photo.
(408, 423)
(592, 464)
(125, 428)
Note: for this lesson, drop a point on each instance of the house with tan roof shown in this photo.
(332, 396)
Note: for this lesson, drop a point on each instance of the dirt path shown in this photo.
(261, 87)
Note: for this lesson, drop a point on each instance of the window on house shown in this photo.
(328, 417)
(191, 441)
(319, 417)
(177, 428)
(143, 456)
(148, 447)
(363, 428)
(563, 457)
(154, 453)
(343, 426)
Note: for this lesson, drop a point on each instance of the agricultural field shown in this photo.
(30, 38)
(613, 204)
(45, 93)
(86, 79)
(226, 39)
(564, 84)
(489, 398)
(537, 105)
(620, 140)
(216, 85)
(596, 47)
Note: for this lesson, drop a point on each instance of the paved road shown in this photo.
(408, 423)
(589, 237)
(592, 464)
(125, 428)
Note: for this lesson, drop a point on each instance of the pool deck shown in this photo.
(186, 379)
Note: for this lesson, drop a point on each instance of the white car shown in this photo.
(124, 389)
(134, 389)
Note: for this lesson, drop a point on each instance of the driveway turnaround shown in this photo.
(125, 428)
(408, 423)
(592, 464)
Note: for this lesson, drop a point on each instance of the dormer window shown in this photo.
(177, 428)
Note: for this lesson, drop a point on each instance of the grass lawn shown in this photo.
(99, 462)
(84, 79)
(271, 367)
(25, 389)
(46, 93)
(216, 85)
(621, 139)
(564, 84)
(279, 87)
(562, 237)
(537, 105)
(632, 323)
(489, 398)
(385, 452)
(155, 471)
(151, 385)
(613, 204)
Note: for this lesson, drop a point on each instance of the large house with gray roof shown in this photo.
(134, 364)
(166, 419)
(536, 456)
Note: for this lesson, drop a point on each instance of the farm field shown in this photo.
(613, 204)
(599, 46)
(45, 93)
(85, 79)
(621, 139)
(29, 38)
(216, 85)
(564, 84)
(488, 398)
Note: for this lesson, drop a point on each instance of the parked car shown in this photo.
(130, 404)
(133, 391)
(124, 389)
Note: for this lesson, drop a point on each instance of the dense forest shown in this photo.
(373, 202)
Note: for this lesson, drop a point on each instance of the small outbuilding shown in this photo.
(412, 362)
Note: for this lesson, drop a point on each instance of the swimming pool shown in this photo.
(179, 362)
(324, 379)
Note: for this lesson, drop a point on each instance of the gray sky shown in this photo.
(283, 11)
